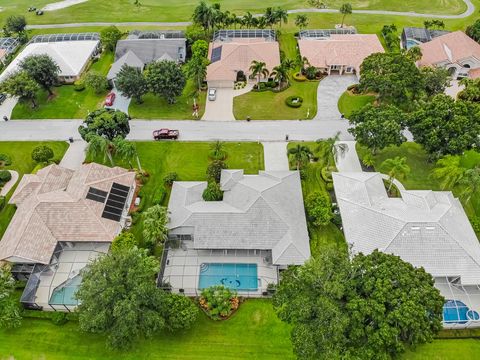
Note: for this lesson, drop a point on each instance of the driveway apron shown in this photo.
(328, 93)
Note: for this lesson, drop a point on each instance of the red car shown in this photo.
(110, 99)
(165, 134)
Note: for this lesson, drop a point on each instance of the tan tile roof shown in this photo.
(451, 48)
(238, 54)
(348, 50)
(52, 207)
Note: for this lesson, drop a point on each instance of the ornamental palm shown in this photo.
(281, 15)
(332, 147)
(270, 17)
(471, 181)
(248, 20)
(300, 154)
(203, 15)
(258, 69)
(448, 171)
(395, 168)
(155, 221)
(100, 146)
(126, 150)
(301, 21)
(345, 9)
(280, 74)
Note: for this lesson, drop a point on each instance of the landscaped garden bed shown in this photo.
(219, 302)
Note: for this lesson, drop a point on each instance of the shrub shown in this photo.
(59, 318)
(294, 101)
(124, 241)
(214, 170)
(3, 201)
(5, 176)
(219, 302)
(79, 85)
(212, 192)
(299, 77)
(353, 88)
(319, 209)
(329, 186)
(326, 173)
(42, 154)
(97, 82)
(170, 178)
(5, 160)
(159, 196)
(475, 221)
(311, 72)
(271, 84)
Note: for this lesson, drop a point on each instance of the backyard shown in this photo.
(20, 153)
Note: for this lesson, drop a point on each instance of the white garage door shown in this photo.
(221, 84)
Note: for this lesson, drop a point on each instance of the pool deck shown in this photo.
(182, 269)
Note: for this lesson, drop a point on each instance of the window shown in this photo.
(349, 70)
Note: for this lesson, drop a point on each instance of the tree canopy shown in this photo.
(42, 154)
(474, 30)
(155, 220)
(365, 307)
(9, 309)
(435, 79)
(106, 123)
(109, 37)
(16, 25)
(131, 83)
(165, 79)
(42, 69)
(21, 85)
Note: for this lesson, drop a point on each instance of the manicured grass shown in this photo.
(254, 332)
(20, 153)
(154, 107)
(103, 64)
(169, 10)
(466, 349)
(349, 103)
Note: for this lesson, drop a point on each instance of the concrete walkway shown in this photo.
(328, 93)
(10, 184)
(7, 106)
(275, 156)
(348, 161)
(75, 155)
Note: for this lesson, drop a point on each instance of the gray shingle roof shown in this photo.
(130, 59)
(149, 50)
(262, 211)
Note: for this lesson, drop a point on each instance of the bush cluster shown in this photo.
(170, 178)
(5, 160)
(219, 302)
(5, 177)
(294, 101)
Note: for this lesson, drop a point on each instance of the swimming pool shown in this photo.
(455, 311)
(64, 295)
(240, 277)
(411, 43)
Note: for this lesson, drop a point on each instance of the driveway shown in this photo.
(121, 102)
(7, 107)
(75, 155)
(328, 93)
(222, 108)
(275, 156)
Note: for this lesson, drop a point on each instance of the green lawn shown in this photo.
(349, 103)
(20, 153)
(154, 107)
(169, 10)
(465, 349)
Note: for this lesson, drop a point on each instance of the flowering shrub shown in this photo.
(219, 302)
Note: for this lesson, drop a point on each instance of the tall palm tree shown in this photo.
(280, 74)
(248, 20)
(217, 150)
(100, 146)
(258, 69)
(301, 21)
(281, 15)
(300, 154)
(270, 17)
(345, 9)
(260, 22)
(395, 168)
(331, 146)
(203, 15)
(127, 151)
(471, 183)
(448, 171)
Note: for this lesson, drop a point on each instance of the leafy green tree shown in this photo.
(471, 183)
(300, 155)
(42, 154)
(345, 9)
(444, 126)
(414, 53)
(212, 192)
(471, 91)
(319, 208)
(393, 76)
(435, 79)
(368, 307)
(97, 82)
(99, 146)
(200, 49)
(389, 33)
(165, 79)
(196, 69)
(109, 37)
(170, 178)
(16, 25)
(21, 85)
(474, 30)
(395, 168)
(119, 298)
(448, 171)
(127, 151)
(204, 16)
(214, 170)
(106, 123)
(124, 241)
(434, 24)
(131, 83)
(42, 69)
(195, 32)
(301, 21)
(378, 127)
(9, 310)
(155, 220)
(258, 69)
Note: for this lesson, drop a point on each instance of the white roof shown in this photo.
(264, 212)
(70, 56)
(426, 228)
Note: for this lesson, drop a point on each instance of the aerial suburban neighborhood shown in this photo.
(240, 180)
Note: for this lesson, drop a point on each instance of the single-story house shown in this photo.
(64, 219)
(456, 52)
(232, 51)
(240, 242)
(428, 229)
(337, 53)
(143, 47)
(413, 36)
(71, 52)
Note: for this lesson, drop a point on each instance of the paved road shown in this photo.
(24, 130)
(470, 10)
(328, 93)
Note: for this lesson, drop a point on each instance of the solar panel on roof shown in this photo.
(216, 54)
(97, 195)
(116, 202)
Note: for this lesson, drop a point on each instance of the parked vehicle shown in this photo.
(110, 99)
(212, 94)
(166, 134)
(2, 98)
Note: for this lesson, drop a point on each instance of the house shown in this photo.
(337, 52)
(8, 46)
(64, 219)
(241, 242)
(428, 229)
(71, 52)
(232, 51)
(456, 52)
(413, 36)
(143, 47)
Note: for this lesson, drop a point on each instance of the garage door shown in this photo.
(220, 84)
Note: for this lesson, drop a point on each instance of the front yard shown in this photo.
(348, 102)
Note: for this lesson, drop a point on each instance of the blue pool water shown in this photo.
(64, 295)
(411, 43)
(455, 311)
(240, 277)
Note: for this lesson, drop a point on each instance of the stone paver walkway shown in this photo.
(275, 156)
(75, 155)
(348, 161)
(10, 184)
(329, 91)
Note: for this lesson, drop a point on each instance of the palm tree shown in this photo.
(196, 69)
(280, 74)
(281, 15)
(258, 69)
(260, 22)
(301, 21)
(289, 64)
(345, 9)
(471, 181)
(331, 146)
(127, 151)
(155, 221)
(448, 171)
(270, 17)
(248, 20)
(217, 150)
(395, 168)
(300, 154)
(98, 145)
(203, 15)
